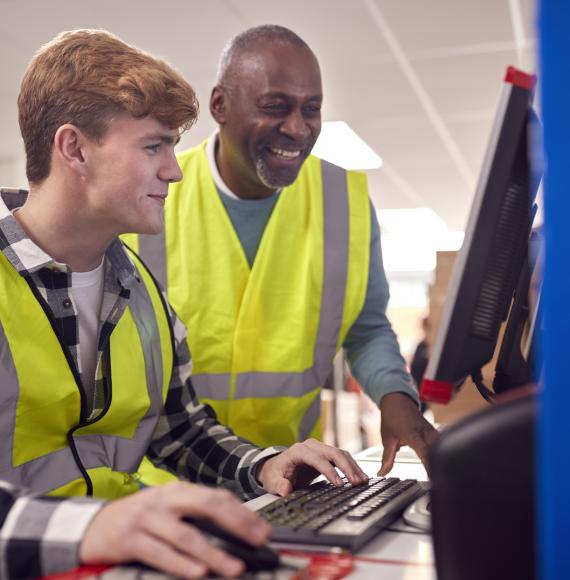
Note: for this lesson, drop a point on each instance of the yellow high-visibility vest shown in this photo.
(46, 443)
(262, 339)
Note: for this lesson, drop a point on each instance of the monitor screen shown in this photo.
(493, 255)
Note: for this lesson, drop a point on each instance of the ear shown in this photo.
(68, 148)
(219, 104)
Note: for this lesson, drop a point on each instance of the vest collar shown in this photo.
(27, 257)
(218, 181)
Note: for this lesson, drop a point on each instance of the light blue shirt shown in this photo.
(371, 346)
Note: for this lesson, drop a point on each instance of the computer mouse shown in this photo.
(255, 558)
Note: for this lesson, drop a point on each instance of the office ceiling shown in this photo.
(418, 80)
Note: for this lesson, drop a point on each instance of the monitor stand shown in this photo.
(418, 513)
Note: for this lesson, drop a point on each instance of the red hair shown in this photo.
(87, 77)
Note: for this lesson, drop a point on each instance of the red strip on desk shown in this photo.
(82, 572)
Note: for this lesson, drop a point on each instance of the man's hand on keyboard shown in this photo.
(302, 462)
(403, 424)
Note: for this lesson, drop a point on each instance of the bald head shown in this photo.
(246, 42)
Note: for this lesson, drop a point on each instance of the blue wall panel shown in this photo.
(554, 415)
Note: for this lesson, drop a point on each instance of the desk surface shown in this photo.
(405, 554)
(399, 553)
(402, 554)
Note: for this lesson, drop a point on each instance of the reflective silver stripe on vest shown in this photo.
(54, 470)
(152, 249)
(335, 271)
(42, 474)
(11, 391)
(142, 310)
(212, 385)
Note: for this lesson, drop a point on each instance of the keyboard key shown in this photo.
(310, 512)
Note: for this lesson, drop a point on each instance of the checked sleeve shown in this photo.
(191, 443)
(41, 535)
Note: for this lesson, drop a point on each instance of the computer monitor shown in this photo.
(493, 257)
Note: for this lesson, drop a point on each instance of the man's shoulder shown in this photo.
(314, 165)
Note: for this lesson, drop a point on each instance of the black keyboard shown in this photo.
(347, 516)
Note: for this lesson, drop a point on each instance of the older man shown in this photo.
(272, 258)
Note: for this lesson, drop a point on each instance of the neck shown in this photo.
(56, 226)
(240, 185)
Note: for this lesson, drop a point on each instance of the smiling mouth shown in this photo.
(287, 154)
(161, 198)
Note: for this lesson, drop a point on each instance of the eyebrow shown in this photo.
(282, 95)
(167, 139)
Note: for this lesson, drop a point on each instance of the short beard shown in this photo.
(271, 181)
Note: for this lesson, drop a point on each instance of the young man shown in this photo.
(273, 258)
(94, 365)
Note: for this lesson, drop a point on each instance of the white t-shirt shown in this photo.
(87, 294)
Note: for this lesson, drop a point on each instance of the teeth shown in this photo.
(285, 154)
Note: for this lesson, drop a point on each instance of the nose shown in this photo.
(295, 125)
(171, 171)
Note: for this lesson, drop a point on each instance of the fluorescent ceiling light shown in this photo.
(340, 145)
(404, 253)
(411, 238)
(422, 220)
(406, 294)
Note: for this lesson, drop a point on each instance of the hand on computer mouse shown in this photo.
(255, 558)
(148, 527)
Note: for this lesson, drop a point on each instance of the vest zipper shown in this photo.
(83, 400)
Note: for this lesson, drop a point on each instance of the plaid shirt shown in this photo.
(41, 535)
